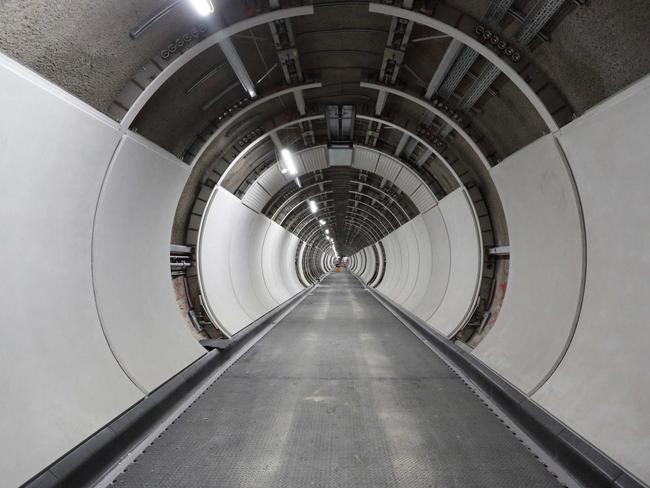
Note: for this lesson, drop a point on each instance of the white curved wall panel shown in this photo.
(369, 260)
(301, 271)
(381, 267)
(223, 223)
(135, 297)
(273, 263)
(394, 267)
(391, 265)
(370, 266)
(546, 265)
(255, 253)
(59, 380)
(602, 387)
(356, 261)
(466, 264)
(437, 280)
(410, 262)
(288, 252)
(363, 262)
(246, 263)
(270, 266)
(423, 272)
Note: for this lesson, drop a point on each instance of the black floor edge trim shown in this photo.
(587, 465)
(84, 465)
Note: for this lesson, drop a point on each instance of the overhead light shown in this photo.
(321, 222)
(327, 231)
(203, 7)
(312, 206)
(237, 65)
(289, 163)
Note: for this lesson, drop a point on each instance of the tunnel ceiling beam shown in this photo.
(477, 46)
(435, 111)
(247, 109)
(271, 133)
(448, 59)
(405, 135)
(207, 43)
(237, 65)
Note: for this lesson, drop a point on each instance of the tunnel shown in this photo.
(325, 243)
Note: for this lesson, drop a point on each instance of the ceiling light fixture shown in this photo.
(203, 7)
(312, 206)
(327, 231)
(321, 222)
(289, 163)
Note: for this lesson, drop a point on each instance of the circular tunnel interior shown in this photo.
(182, 180)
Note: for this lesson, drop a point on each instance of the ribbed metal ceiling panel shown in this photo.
(256, 197)
(388, 168)
(423, 198)
(408, 181)
(272, 180)
(314, 159)
(365, 159)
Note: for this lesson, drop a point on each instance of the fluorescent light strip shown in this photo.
(312, 206)
(237, 65)
(289, 163)
(203, 7)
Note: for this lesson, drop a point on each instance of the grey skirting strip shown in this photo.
(579, 458)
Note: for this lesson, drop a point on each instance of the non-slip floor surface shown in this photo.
(338, 394)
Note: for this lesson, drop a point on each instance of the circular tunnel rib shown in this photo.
(281, 237)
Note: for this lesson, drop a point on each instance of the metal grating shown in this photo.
(339, 394)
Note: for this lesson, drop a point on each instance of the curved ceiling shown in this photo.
(448, 87)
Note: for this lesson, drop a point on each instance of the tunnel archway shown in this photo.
(478, 166)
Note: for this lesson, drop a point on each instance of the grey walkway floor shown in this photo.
(338, 394)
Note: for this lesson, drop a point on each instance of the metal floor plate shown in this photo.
(338, 394)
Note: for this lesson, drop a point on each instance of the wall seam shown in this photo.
(583, 275)
(92, 269)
